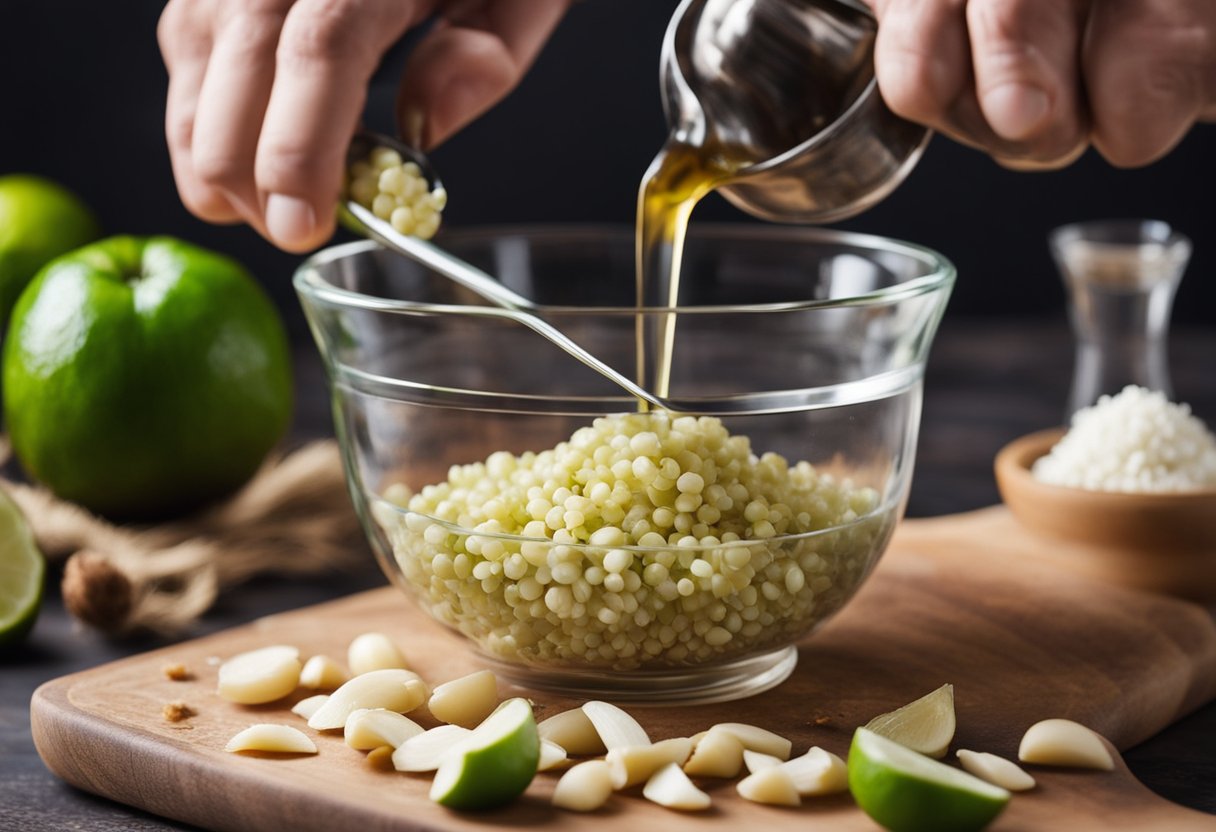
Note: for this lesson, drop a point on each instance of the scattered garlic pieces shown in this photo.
(633, 764)
(718, 754)
(323, 673)
(770, 785)
(757, 739)
(278, 739)
(584, 788)
(374, 651)
(396, 191)
(996, 770)
(671, 787)
(552, 755)
(1062, 742)
(926, 725)
(381, 758)
(616, 728)
(465, 701)
(368, 728)
(260, 676)
(392, 689)
(426, 751)
(755, 761)
(818, 772)
(307, 707)
(573, 731)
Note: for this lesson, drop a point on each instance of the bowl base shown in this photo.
(691, 686)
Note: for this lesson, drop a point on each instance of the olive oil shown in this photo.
(676, 181)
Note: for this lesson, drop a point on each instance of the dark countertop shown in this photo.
(988, 382)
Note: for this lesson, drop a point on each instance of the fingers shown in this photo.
(473, 58)
(1150, 72)
(185, 42)
(1001, 75)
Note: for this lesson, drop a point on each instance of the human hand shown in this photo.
(264, 95)
(1036, 82)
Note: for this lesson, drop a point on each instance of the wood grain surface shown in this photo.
(969, 599)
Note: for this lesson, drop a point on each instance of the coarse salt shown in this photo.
(1136, 441)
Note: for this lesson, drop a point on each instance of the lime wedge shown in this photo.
(21, 572)
(494, 764)
(904, 791)
(926, 725)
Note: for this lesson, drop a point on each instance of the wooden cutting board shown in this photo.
(970, 599)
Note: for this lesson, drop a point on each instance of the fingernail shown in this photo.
(289, 220)
(1015, 111)
(412, 127)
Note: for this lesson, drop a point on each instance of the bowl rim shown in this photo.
(307, 279)
(1013, 465)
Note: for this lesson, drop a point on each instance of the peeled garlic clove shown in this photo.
(926, 725)
(277, 739)
(817, 772)
(573, 731)
(718, 754)
(670, 787)
(427, 751)
(374, 651)
(755, 761)
(307, 707)
(1062, 742)
(996, 770)
(260, 676)
(771, 785)
(616, 728)
(552, 755)
(633, 764)
(394, 690)
(323, 673)
(465, 701)
(584, 788)
(371, 728)
(757, 739)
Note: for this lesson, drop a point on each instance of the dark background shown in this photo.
(83, 102)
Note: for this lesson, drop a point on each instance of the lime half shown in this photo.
(21, 573)
(926, 725)
(494, 764)
(904, 791)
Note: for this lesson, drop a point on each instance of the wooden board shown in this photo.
(969, 600)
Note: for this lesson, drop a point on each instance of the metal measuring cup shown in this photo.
(789, 84)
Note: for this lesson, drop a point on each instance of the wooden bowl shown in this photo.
(1160, 542)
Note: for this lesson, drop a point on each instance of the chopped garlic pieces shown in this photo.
(770, 785)
(278, 739)
(718, 754)
(368, 728)
(755, 761)
(757, 739)
(633, 764)
(1062, 742)
(552, 756)
(671, 787)
(584, 788)
(260, 676)
(996, 770)
(309, 706)
(374, 651)
(817, 772)
(465, 701)
(616, 728)
(323, 673)
(426, 751)
(573, 731)
(393, 689)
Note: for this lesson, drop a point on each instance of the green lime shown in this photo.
(39, 220)
(904, 791)
(494, 764)
(144, 377)
(21, 572)
(926, 725)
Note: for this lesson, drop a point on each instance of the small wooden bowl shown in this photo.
(1160, 542)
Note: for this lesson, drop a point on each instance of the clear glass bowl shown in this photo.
(806, 346)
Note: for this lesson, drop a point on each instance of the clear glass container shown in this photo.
(816, 339)
(1121, 277)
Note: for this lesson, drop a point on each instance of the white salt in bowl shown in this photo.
(1163, 542)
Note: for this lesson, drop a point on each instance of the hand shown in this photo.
(1035, 82)
(264, 95)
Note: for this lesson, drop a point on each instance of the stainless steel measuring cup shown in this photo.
(789, 84)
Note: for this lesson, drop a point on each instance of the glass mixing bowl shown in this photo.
(521, 499)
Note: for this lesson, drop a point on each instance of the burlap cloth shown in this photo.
(294, 517)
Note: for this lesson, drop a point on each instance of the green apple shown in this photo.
(145, 377)
(39, 220)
